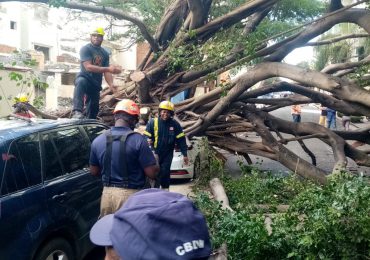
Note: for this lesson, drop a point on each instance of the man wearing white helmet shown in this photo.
(94, 63)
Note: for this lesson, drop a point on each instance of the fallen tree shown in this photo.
(196, 40)
(285, 216)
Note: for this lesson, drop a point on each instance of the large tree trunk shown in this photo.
(229, 108)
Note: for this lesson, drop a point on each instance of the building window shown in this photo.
(13, 25)
(44, 50)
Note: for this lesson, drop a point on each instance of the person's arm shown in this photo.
(151, 171)
(109, 79)
(112, 69)
(86, 57)
(294, 109)
(94, 162)
(95, 170)
(147, 159)
(149, 133)
(181, 141)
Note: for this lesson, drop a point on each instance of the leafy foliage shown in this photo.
(149, 11)
(39, 102)
(297, 11)
(57, 3)
(331, 54)
(25, 80)
(342, 51)
(272, 190)
(211, 167)
(244, 233)
(359, 74)
(230, 40)
(330, 222)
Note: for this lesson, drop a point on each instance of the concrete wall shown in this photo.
(34, 25)
(10, 12)
(9, 90)
(56, 89)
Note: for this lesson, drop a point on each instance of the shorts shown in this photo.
(113, 198)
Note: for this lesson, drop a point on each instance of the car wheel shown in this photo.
(55, 249)
(197, 167)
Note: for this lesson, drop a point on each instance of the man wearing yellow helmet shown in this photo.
(94, 63)
(163, 133)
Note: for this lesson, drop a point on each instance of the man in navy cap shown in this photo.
(154, 224)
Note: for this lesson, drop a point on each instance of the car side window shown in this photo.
(94, 131)
(69, 152)
(52, 164)
(22, 165)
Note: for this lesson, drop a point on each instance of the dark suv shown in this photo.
(48, 199)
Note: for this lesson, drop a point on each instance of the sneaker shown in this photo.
(77, 115)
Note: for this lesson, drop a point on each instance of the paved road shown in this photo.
(324, 153)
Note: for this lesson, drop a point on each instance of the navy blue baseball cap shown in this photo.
(154, 224)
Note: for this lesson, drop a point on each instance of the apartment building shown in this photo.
(53, 38)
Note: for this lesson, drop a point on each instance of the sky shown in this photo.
(299, 55)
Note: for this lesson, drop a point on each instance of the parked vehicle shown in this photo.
(48, 199)
(192, 170)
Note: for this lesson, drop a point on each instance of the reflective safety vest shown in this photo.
(165, 134)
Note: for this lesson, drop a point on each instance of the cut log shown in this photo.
(220, 253)
(219, 193)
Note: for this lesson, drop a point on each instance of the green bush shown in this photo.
(329, 222)
(244, 233)
(271, 189)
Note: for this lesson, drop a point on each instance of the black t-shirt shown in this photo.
(98, 57)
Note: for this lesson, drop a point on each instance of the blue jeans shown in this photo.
(296, 118)
(84, 87)
(331, 121)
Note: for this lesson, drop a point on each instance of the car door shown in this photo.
(22, 200)
(72, 193)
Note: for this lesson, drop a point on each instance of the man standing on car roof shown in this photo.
(163, 133)
(94, 63)
(122, 157)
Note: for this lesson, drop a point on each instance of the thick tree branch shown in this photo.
(171, 22)
(337, 86)
(356, 16)
(337, 39)
(228, 20)
(332, 68)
